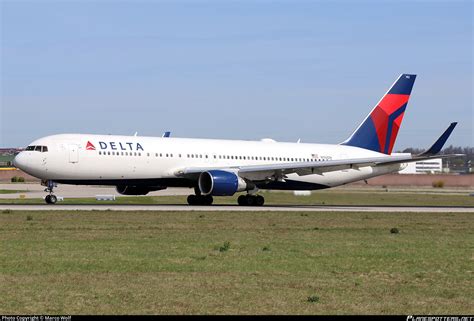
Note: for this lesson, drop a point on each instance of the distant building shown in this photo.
(429, 166)
(7, 155)
(6, 160)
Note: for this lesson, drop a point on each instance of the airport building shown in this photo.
(430, 166)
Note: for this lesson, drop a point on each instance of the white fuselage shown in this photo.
(113, 160)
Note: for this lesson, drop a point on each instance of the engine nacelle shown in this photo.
(221, 183)
(137, 190)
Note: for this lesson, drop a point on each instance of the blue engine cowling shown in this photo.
(221, 183)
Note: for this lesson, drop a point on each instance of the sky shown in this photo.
(287, 70)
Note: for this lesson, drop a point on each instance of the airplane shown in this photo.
(138, 165)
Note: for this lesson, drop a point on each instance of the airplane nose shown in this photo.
(20, 161)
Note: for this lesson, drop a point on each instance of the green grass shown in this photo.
(329, 197)
(11, 191)
(78, 262)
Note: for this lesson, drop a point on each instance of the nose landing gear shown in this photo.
(50, 198)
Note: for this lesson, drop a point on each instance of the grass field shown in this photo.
(11, 191)
(327, 197)
(235, 262)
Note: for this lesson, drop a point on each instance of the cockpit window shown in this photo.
(37, 148)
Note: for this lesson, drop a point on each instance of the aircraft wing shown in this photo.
(257, 172)
(300, 168)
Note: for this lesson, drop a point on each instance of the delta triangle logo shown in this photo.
(90, 146)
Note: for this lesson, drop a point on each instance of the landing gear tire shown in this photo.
(200, 199)
(192, 199)
(250, 200)
(259, 200)
(51, 199)
(208, 199)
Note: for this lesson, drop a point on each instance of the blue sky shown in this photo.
(237, 70)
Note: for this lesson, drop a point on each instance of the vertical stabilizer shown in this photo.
(380, 128)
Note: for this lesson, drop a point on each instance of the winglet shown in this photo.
(166, 134)
(438, 145)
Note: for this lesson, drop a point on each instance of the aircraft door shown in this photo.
(73, 153)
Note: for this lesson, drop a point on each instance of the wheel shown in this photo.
(259, 200)
(192, 199)
(249, 200)
(241, 200)
(54, 199)
(208, 199)
(51, 199)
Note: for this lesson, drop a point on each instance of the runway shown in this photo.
(221, 208)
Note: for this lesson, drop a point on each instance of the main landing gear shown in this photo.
(243, 200)
(250, 200)
(50, 198)
(200, 199)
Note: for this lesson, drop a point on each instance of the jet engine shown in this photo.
(221, 183)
